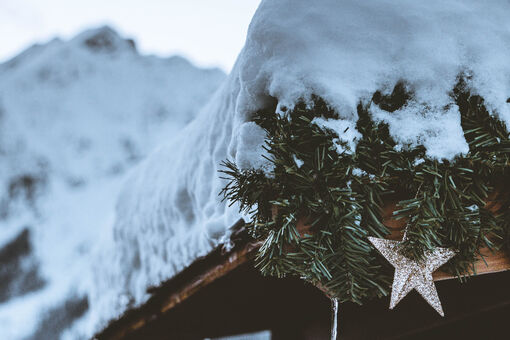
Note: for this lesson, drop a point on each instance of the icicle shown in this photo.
(334, 318)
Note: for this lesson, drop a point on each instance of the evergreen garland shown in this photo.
(444, 203)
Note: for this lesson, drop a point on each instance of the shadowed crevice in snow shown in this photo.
(19, 273)
(22, 189)
(59, 318)
(184, 203)
(394, 101)
(26, 186)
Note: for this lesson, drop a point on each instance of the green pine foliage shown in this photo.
(341, 196)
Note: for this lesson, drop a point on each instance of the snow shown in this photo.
(75, 116)
(346, 131)
(250, 153)
(169, 213)
(437, 129)
(299, 162)
(344, 51)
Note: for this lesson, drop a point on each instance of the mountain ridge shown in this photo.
(75, 116)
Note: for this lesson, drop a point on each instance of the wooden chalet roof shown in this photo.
(220, 262)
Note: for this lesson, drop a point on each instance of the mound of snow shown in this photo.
(344, 51)
(74, 117)
(169, 213)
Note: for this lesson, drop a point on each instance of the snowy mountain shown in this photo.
(75, 116)
(169, 212)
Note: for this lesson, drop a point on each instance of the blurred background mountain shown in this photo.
(75, 116)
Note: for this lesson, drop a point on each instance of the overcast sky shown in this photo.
(208, 32)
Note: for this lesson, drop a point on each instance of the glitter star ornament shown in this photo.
(410, 274)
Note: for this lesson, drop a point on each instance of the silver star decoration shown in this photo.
(411, 274)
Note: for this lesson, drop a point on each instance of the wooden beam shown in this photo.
(195, 284)
(218, 263)
(491, 262)
(488, 262)
(197, 276)
(233, 261)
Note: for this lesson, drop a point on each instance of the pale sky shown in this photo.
(208, 32)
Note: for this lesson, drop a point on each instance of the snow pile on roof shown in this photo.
(168, 214)
(75, 116)
(343, 51)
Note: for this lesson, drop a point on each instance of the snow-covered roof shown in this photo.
(343, 51)
(346, 50)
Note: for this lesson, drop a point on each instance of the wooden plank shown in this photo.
(233, 261)
(197, 276)
(492, 262)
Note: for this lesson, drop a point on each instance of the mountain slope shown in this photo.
(75, 116)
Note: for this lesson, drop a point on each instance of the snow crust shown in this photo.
(346, 131)
(250, 152)
(75, 116)
(346, 50)
(169, 213)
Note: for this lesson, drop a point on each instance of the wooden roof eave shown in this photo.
(220, 262)
(201, 273)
